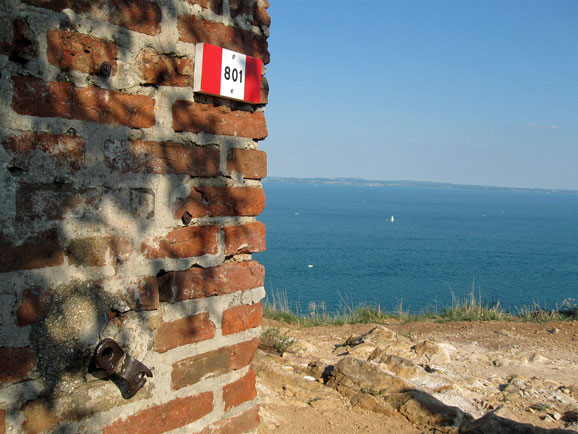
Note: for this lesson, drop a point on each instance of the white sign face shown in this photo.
(233, 74)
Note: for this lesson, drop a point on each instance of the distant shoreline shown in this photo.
(411, 184)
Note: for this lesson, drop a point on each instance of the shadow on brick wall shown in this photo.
(84, 208)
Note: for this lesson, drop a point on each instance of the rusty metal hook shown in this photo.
(110, 357)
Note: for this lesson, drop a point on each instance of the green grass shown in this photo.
(272, 339)
(470, 308)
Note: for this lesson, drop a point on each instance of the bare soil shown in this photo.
(525, 372)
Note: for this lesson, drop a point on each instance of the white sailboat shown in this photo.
(392, 219)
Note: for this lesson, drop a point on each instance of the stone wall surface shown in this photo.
(128, 211)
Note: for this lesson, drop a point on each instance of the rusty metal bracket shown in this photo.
(110, 357)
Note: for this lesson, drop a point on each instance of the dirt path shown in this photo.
(524, 372)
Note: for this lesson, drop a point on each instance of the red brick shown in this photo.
(247, 421)
(240, 391)
(18, 41)
(39, 251)
(75, 51)
(16, 363)
(98, 251)
(239, 318)
(33, 97)
(249, 163)
(222, 201)
(138, 15)
(194, 30)
(242, 354)
(183, 331)
(249, 238)
(162, 157)
(184, 242)
(33, 306)
(143, 294)
(215, 5)
(164, 70)
(166, 417)
(191, 370)
(2, 421)
(66, 152)
(199, 282)
(220, 120)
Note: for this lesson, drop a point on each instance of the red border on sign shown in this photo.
(212, 62)
(253, 82)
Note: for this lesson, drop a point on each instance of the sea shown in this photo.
(334, 247)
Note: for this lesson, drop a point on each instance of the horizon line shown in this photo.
(364, 181)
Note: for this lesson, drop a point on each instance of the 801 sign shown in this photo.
(234, 74)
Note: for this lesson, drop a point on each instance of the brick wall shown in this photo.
(129, 208)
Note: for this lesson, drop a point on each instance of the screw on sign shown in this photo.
(228, 74)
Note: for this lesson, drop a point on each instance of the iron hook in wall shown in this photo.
(110, 357)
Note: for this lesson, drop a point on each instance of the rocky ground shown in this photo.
(457, 377)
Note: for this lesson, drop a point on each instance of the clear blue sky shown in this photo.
(470, 92)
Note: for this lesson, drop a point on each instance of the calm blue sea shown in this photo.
(516, 247)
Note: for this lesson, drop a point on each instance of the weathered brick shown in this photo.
(18, 42)
(55, 202)
(240, 391)
(33, 97)
(183, 331)
(239, 318)
(255, 10)
(46, 201)
(221, 201)
(140, 156)
(249, 238)
(215, 5)
(221, 120)
(166, 417)
(240, 7)
(33, 306)
(66, 153)
(264, 90)
(195, 30)
(38, 251)
(143, 294)
(249, 163)
(199, 282)
(164, 70)
(247, 421)
(78, 6)
(86, 400)
(260, 15)
(186, 242)
(190, 371)
(16, 364)
(38, 417)
(139, 15)
(98, 251)
(75, 51)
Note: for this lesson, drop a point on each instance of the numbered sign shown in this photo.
(225, 73)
